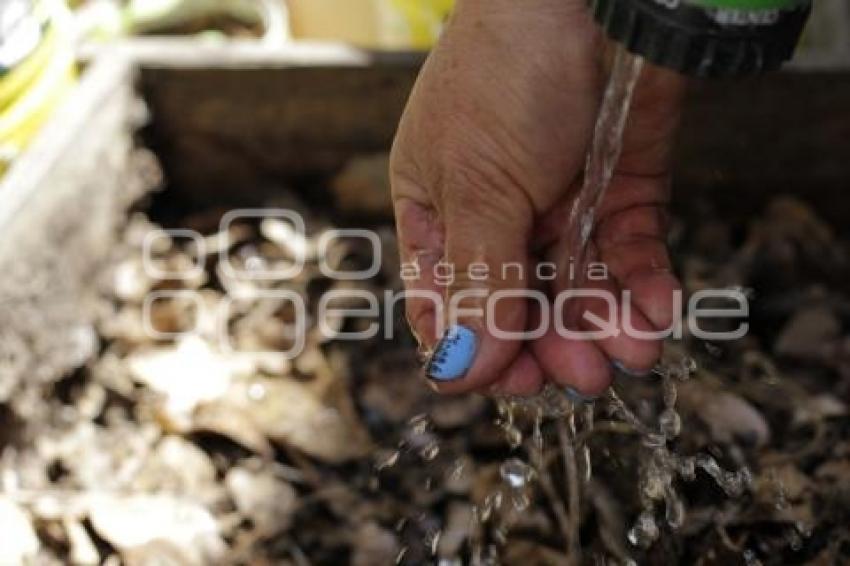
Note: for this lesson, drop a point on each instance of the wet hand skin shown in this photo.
(485, 165)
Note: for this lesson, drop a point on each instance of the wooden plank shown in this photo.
(743, 143)
(219, 125)
(252, 120)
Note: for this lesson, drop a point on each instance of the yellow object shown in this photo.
(424, 19)
(31, 91)
(377, 24)
(18, 79)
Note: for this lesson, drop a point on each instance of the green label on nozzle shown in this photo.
(749, 4)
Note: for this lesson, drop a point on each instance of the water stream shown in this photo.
(602, 158)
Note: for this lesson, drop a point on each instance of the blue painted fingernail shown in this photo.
(453, 355)
(578, 398)
(629, 372)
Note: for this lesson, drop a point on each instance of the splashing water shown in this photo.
(516, 473)
(660, 468)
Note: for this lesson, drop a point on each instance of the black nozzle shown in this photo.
(701, 41)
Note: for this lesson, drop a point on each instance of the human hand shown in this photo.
(487, 159)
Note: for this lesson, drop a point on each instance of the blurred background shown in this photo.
(41, 40)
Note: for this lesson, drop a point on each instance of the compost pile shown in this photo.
(178, 451)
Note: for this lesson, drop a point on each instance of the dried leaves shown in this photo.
(150, 524)
(20, 542)
(292, 413)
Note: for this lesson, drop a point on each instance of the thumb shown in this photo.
(486, 234)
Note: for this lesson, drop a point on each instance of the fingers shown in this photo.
(631, 239)
(654, 295)
(624, 333)
(486, 247)
(523, 378)
(466, 304)
(420, 237)
(615, 320)
(577, 364)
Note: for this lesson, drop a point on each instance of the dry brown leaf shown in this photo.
(177, 466)
(808, 330)
(292, 413)
(233, 423)
(267, 500)
(457, 530)
(729, 417)
(374, 545)
(130, 523)
(82, 551)
(19, 541)
(187, 375)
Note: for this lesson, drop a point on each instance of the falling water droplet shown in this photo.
(644, 532)
(430, 451)
(537, 431)
(387, 460)
(432, 540)
(516, 473)
(732, 483)
(513, 435)
(419, 424)
(587, 225)
(492, 503)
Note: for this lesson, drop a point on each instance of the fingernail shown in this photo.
(579, 398)
(630, 372)
(453, 355)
